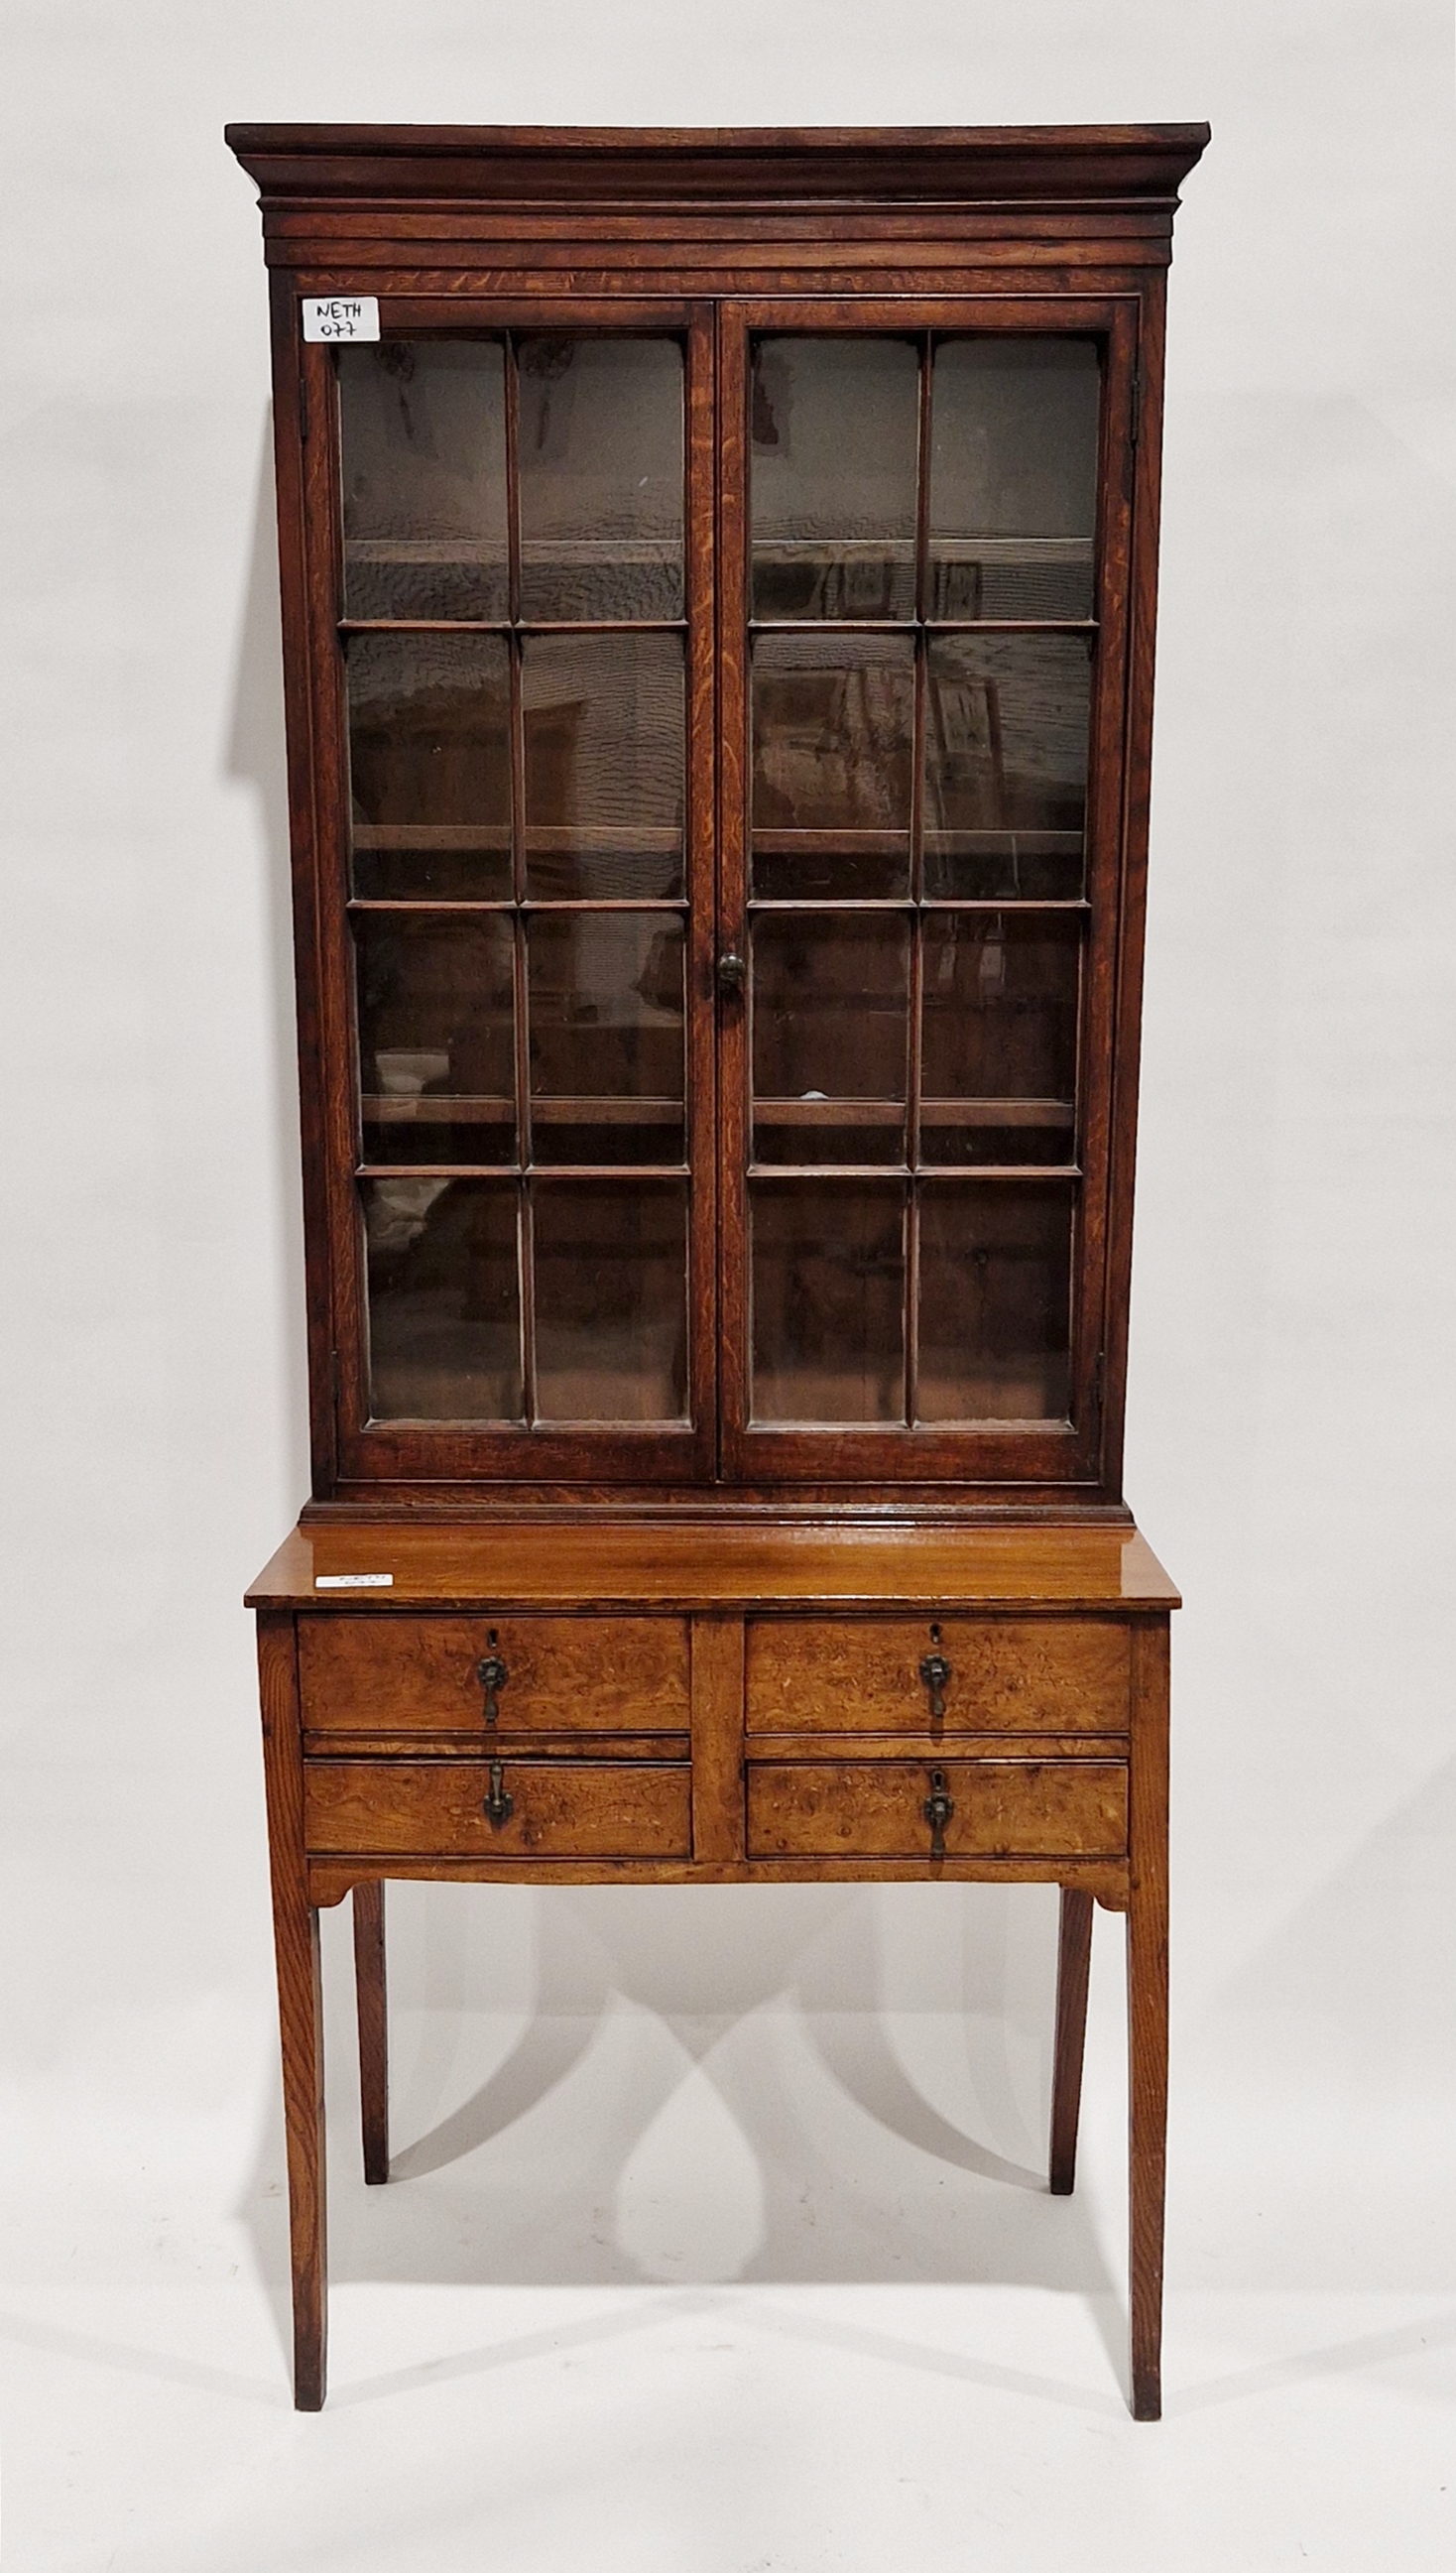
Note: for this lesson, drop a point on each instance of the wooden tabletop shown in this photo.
(591, 1564)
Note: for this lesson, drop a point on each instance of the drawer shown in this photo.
(402, 1674)
(876, 1808)
(557, 1808)
(1007, 1674)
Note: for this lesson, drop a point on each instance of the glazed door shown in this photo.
(520, 679)
(923, 648)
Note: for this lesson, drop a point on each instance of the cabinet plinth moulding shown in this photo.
(718, 577)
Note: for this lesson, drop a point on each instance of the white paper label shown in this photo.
(353, 1581)
(340, 316)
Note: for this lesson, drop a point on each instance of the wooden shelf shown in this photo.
(540, 839)
(933, 1112)
(444, 1108)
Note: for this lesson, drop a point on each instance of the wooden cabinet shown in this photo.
(718, 577)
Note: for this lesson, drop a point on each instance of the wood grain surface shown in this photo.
(560, 1808)
(1148, 2003)
(653, 1589)
(590, 1568)
(300, 2008)
(371, 2000)
(358, 1674)
(1002, 1808)
(1074, 1963)
(1011, 1675)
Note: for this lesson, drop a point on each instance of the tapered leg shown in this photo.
(300, 1999)
(1074, 1961)
(374, 2028)
(1148, 2015)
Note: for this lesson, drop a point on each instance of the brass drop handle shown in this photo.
(937, 1809)
(732, 974)
(935, 1670)
(498, 1806)
(492, 1675)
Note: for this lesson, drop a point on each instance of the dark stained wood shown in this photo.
(713, 1631)
(557, 1808)
(1007, 1675)
(1003, 1809)
(1004, 166)
(300, 2006)
(297, 607)
(1136, 792)
(1147, 1905)
(376, 1672)
(1073, 1965)
(701, 567)
(371, 1997)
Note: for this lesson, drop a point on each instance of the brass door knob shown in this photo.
(732, 974)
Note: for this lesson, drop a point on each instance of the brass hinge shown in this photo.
(1135, 426)
(1097, 1383)
(303, 401)
(333, 1378)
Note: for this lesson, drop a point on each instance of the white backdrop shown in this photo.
(711, 2247)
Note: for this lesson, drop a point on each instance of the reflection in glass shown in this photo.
(601, 477)
(422, 429)
(998, 1054)
(1006, 754)
(445, 1300)
(606, 1037)
(604, 760)
(830, 996)
(435, 1037)
(1014, 460)
(429, 765)
(832, 729)
(828, 1300)
(995, 1301)
(611, 1299)
(835, 428)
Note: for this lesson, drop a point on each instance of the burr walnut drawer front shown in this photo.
(497, 1807)
(913, 1675)
(1025, 1809)
(496, 1676)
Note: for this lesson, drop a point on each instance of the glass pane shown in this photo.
(429, 765)
(835, 433)
(611, 1299)
(1014, 470)
(1006, 749)
(999, 1057)
(606, 1037)
(832, 734)
(601, 478)
(422, 425)
(436, 1024)
(830, 1005)
(995, 1301)
(604, 762)
(445, 1300)
(828, 1300)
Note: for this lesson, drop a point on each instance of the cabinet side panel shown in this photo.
(293, 592)
(1137, 775)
